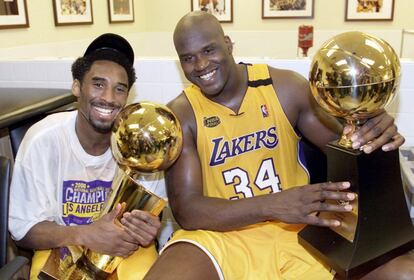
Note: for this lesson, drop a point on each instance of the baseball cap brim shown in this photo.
(110, 41)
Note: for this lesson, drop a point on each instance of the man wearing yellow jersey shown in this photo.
(239, 190)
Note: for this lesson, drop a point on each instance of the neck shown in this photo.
(93, 142)
(233, 93)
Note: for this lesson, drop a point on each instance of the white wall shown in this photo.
(160, 80)
(261, 44)
(151, 33)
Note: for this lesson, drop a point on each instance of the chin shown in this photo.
(212, 92)
(102, 127)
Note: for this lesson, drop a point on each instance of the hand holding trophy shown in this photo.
(146, 137)
(354, 76)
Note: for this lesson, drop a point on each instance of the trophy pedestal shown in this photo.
(382, 226)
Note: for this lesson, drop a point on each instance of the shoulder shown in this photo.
(181, 107)
(47, 131)
(287, 80)
(292, 90)
(184, 112)
(53, 121)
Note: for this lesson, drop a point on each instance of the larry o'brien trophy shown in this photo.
(354, 76)
(146, 138)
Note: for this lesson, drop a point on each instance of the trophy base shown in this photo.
(383, 228)
(85, 270)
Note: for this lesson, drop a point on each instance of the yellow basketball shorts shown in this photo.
(264, 251)
(134, 267)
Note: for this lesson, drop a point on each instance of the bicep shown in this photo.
(315, 124)
(184, 179)
(301, 109)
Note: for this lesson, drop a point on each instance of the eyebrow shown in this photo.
(209, 45)
(100, 79)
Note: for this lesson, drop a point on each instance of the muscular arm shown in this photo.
(193, 210)
(319, 127)
(301, 108)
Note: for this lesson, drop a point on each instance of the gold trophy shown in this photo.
(146, 137)
(354, 76)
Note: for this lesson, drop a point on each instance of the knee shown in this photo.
(400, 268)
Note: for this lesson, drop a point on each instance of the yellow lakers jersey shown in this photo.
(251, 152)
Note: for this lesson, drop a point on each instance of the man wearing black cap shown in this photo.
(64, 170)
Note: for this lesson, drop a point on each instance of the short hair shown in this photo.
(83, 64)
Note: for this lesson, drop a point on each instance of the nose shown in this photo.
(201, 63)
(109, 95)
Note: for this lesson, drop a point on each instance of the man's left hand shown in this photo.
(141, 225)
(379, 131)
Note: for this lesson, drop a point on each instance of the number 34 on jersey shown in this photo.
(265, 178)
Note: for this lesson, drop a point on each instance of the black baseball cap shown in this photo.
(111, 42)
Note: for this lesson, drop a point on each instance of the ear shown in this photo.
(76, 88)
(229, 44)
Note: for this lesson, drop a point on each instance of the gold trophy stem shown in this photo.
(345, 140)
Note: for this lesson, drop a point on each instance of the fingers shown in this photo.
(324, 206)
(125, 249)
(141, 225)
(334, 191)
(329, 192)
(104, 236)
(316, 221)
(397, 141)
(379, 131)
(333, 186)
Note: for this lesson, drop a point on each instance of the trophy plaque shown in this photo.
(146, 137)
(354, 76)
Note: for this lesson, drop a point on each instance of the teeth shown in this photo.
(208, 75)
(104, 111)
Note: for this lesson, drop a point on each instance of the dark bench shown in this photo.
(22, 107)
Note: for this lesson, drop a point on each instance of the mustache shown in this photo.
(106, 105)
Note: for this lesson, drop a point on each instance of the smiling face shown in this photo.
(205, 53)
(102, 94)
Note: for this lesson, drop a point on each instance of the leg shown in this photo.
(400, 268)
(136, 265)
(182, 261)
(39, 260)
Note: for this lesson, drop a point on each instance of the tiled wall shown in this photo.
(161, 80)
(277, 44)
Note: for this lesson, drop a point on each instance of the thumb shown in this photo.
(116, 212)
(348, 129)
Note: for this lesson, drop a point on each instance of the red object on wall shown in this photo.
(305, 38)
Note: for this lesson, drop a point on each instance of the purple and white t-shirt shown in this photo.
(81, 200)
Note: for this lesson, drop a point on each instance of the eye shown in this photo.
(209, 51)
(186, 58)
(98, 85)
(121, 89)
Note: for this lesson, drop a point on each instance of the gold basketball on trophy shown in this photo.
(146, 137)
(354, 76)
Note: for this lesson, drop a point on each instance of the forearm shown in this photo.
(47, 235)
(221, 214)
(296, 205)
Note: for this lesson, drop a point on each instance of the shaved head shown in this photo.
(205, 53)
(197, 21)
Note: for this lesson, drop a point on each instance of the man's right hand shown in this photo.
(108, 236)
(299, 205)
